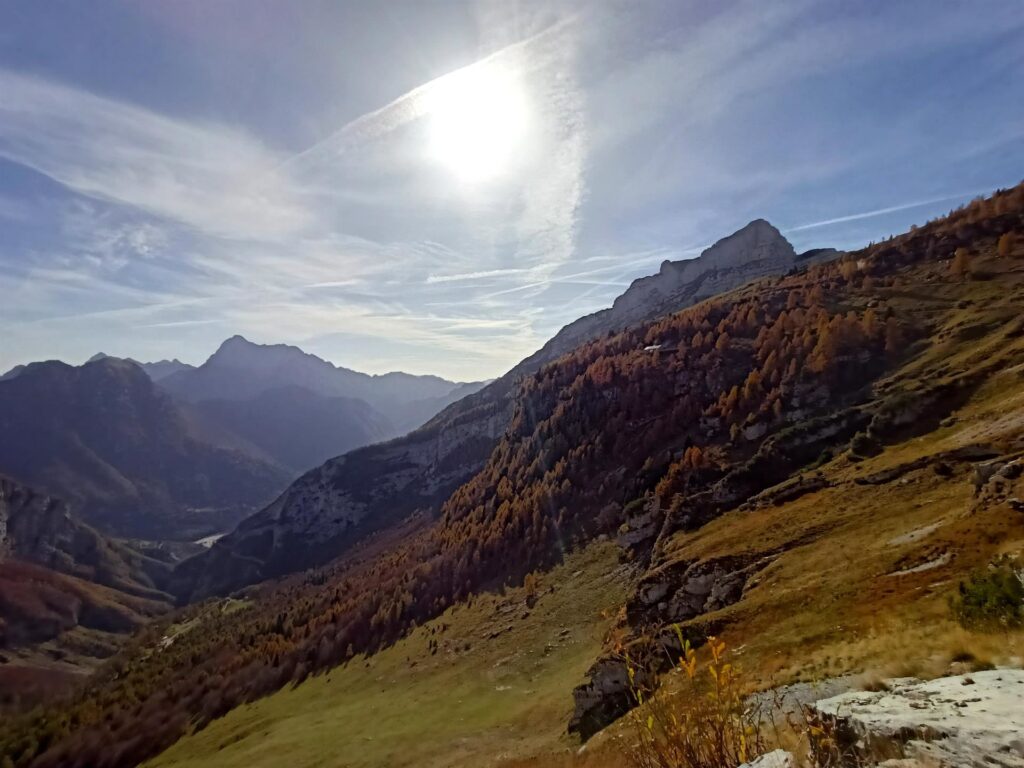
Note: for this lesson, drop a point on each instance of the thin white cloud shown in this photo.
(651, 125)
(179, 323)
(431, 279)
(887, 210)
(407, 107)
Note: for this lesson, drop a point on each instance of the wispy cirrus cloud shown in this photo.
(208, 177)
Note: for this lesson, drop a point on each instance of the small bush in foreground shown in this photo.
(991, 599)
(710, 725)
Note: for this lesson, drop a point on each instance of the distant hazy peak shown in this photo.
(238, 351)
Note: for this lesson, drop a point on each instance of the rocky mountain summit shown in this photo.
(757, 250)
(161, 369)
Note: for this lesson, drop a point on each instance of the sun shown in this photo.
(478, 120)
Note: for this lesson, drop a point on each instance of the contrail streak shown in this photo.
(883, 211)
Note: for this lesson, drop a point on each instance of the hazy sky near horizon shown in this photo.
(437, 187)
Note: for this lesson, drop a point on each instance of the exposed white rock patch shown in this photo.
(930, 565)
(964, 720)
(915, 535)
(778, 758)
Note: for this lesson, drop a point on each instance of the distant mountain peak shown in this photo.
(238, 352)
(238, 340)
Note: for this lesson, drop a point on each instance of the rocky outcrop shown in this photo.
(774, 462)
(682, 593)
(640, 528)
(664, 607)
(778, 758)
(38, 528)
(964, 720)
(683, 590)
(607, 695)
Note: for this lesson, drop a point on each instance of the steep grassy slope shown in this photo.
(476, 686)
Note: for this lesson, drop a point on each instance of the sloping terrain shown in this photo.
(105, 439)
(695, 438)
(756, 250)
(476, 686)
(844, 568)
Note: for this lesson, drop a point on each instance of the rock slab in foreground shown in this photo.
(778, 758)
(965, 720)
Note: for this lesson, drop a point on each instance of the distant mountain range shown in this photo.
(168, 450)
(156, 371)
(241, 370)
(171, 450)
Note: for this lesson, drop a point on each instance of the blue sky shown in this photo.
(437, 187)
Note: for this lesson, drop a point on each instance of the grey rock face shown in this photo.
(38, 528)
(331, 507)
(607, 695)
(757, 250)
(682, 590)
(964, 720)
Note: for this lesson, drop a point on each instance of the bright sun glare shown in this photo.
(478, 119)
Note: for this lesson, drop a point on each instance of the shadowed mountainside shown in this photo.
(106, 439)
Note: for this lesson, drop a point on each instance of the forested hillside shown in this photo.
(682, 419)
